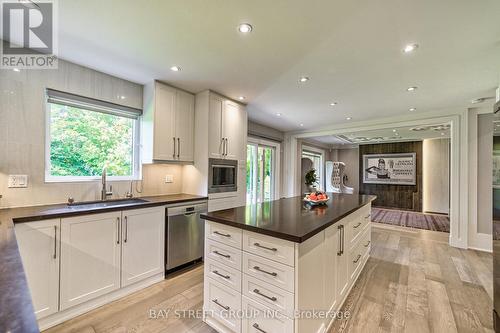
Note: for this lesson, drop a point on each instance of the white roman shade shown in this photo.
(92, 104)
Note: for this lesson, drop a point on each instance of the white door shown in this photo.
(39, 246)
(342, 265)
(215, 127)
(164, 123)
(184, 126)
(90, 257)
(332, 248)
(143, 251)
(234, 131)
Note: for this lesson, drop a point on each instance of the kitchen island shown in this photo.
(283, 266)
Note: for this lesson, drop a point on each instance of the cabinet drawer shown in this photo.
(359, 254)
(267, 294)
(223, 233)
(223, 253)
(227, 276)
(223, 304)
(262, 321)
(366, 241)
(359, 220)
(269, 247)
(269, 271)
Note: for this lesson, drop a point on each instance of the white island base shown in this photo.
(262, 284)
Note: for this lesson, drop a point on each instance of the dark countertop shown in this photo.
(290, 218)
(16, 309)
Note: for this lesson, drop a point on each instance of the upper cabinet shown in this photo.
(168, 124)
(227, 123)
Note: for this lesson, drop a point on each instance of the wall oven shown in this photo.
(222, 175)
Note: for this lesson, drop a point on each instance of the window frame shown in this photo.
(136, 144)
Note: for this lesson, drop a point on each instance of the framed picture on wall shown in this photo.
(395, 169)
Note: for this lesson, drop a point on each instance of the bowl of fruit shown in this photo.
(316, 198)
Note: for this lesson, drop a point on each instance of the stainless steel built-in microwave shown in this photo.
(222, 175)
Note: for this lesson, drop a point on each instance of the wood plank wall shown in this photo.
(407, 197)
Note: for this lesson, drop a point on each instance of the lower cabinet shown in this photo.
(143, 235)
(39, 247)
(86, 258)
(90, 257)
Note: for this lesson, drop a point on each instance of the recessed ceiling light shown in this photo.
(16, 69)
(245, 28)
(394, 130)
(348, 118)
(175, 68)
(301, 125)
(410, 48)
(412, 109)
(412, 88)
(304, 79)
(278, 114)
(122, 97)
(241, 98)
(442, 133)
(333, 103)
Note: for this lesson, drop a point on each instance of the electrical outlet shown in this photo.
(169, 179)
(18, 181)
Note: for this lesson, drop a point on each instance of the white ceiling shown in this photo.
(351, 50)
(394, 134)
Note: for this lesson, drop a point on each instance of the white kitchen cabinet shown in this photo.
(39, 247)
(234, 129)
(143, 242)
(90, 257)
(227, 129)
(215, 143)
(167, 124)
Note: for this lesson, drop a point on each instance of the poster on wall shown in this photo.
(395, 169)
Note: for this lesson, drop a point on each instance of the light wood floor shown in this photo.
(413, 282)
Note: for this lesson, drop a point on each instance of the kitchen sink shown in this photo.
(102, 204)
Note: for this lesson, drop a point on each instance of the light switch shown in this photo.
(18, 181)
(169, 179)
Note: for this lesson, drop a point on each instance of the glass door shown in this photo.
(260, 173)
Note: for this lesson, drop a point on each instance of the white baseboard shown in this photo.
(481, 242)
(62, 316)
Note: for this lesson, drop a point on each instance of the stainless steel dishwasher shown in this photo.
(185, 234)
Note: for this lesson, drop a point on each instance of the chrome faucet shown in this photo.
(105, 193)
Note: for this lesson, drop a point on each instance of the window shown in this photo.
(85, 135)
(262, 170)
(317, 161)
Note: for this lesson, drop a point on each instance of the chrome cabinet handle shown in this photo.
(221, 234)
(178, 147)
(55, 243)
(368, 216)
(174, 147)
(357, 259)
(222, 254)
(222, 142)
(226, 146)
(265, 247)
(357, 225)
(227, 277)
(257, 268)
(256, 326)
(257, 291)
(366, 245)
(222, 306)
(117, 230)
(126, 229)
(339, 252)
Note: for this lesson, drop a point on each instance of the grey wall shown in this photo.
(484, 172)
(266, 132)
(436, 175)
(22, 133)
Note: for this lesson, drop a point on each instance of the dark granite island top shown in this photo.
(290, 218)
(16, 309)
